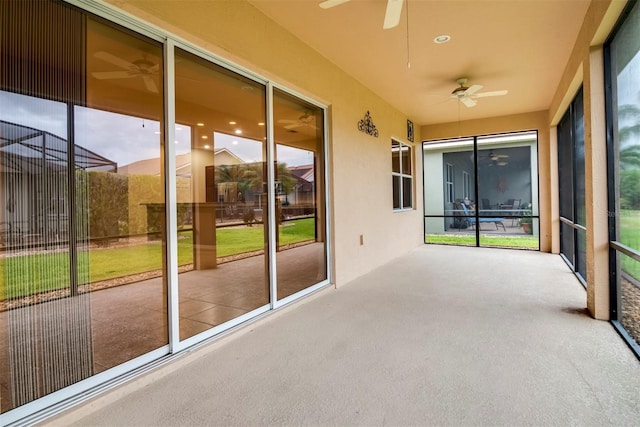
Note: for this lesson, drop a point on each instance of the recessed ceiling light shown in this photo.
(200, 124)
(261, 124)
(207, 146)
(442, 39)
(204, 137)
(238, 131)
(232, 123)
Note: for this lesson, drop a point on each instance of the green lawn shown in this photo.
(630, 236)
(520, 242)
(29, 274)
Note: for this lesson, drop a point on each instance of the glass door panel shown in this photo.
(301, 258)
(82, 266)
(221, 191)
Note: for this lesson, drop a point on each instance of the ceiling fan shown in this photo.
(468, 95)
(305, 120)
(497, 159)
(142, 68)
(391, 16)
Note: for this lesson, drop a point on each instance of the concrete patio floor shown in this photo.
(442, 336)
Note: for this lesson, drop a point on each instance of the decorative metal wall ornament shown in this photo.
(410, 130)
(366, 125)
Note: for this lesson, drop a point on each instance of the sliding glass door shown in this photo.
(151, 197)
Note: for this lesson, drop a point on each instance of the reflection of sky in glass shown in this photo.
(126, 139)
(37, 113)
(293, 156)
(249, 150)
(120, 138)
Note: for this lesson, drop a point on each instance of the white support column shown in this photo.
(596, 186)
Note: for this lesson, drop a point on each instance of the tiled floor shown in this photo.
(130, 320)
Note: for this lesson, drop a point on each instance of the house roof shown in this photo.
(303, 171)
(183, 164)
(23, 148)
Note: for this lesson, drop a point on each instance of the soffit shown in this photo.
(518, 45)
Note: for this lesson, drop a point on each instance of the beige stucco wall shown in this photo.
(359, 166)
(519, 122)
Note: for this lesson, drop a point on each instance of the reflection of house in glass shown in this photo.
(36, 162)
(301, 197)
(233, 184)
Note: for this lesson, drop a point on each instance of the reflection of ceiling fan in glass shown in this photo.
(497, 159)
(305, 120)
(142, 68)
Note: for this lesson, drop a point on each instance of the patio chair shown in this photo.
(472, 219)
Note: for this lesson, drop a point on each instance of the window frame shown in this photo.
(450, 182)
(402, 176)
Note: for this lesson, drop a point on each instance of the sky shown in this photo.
(125, 139)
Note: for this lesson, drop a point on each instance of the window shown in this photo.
(466, 185)
(449, 184)
(402, 175)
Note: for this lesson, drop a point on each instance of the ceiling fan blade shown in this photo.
(473, 89)
(150, 84)
(112, 59)
(493, 93)
(468, 102)
(294, 126)
(392, 15)
(331, 3)
(102, 75)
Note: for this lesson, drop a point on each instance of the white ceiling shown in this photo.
(518, 45)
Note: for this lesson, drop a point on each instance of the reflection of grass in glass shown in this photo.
(237, 240)
(29, 274)
(629, 224)
(297, 231)
(524, 242)
(24, 275)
